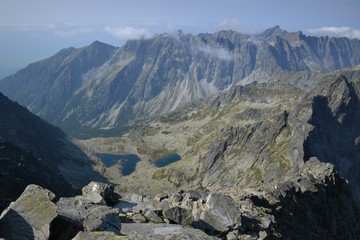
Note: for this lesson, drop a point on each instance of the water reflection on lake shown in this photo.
(173, 157)
(128, 162)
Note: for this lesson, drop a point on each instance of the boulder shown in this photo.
(74, 209)
(151, 216)
(178, 215)
(160, 196)
(29, 217)
(135, 202)
(162, 231)
(97, 236)
(138, 218)
(91, 217)
(221, 213)
(102, 218)
(100, 193)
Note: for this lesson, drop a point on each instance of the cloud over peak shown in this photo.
(235, 25)
(127, 32)
(335, 32)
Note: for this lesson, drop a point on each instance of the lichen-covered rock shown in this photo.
(98, 236)
(178, 215)
(163, 232)
(100, 193)
(29, 217)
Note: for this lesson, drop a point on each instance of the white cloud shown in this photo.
(127, 32)
(29, 27)
(217, 52)
(335, 32)
(228, 24)
(72, 31)
(59, 30)
(235, 25)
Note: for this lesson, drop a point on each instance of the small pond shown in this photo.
(173, 157)
(128, 162)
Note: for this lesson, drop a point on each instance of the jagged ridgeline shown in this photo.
(89, 90)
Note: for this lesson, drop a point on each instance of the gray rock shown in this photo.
(29, 217)
(262, 235)
(100, 193)
(97, 236)
(135, 202)
(164, 204)
(125, 206)
(74, 209)
(102, 218)
(162, 231)
(160, 196)
(83, 213)
(231, 236)
(138, 218)
(222, 213)
(196, 195)
(178, 215)
(151, 216)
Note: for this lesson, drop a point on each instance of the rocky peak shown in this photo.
(274, 31)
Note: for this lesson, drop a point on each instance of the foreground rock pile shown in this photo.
(313, 203)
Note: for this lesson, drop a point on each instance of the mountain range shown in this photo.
(99, 89)
(265, 125)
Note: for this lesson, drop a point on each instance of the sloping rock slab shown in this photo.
(222, 212)
(98, 236)
(162, 231)
(29, 217)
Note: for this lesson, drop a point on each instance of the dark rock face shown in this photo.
(327, 211)
(328, 119)
(19, 168)
(34, 151)
(101, 86)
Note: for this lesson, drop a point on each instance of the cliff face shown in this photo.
(34, 151)
(329, 126)
(103, 87)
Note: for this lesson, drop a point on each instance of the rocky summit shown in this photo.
(257, 136)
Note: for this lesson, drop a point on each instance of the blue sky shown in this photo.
(36, 29)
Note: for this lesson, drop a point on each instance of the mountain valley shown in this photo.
(265, 126)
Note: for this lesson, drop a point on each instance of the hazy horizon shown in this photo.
(31, 31)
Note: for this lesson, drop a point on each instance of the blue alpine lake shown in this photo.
(162, 162)
(128, 162)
